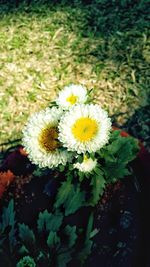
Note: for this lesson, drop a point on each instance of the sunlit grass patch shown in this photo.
(44, 48)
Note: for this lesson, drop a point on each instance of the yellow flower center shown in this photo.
(48, 139)
(84, 129)
(72, 99)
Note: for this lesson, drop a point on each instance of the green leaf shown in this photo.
(26, 235)
(23, 250)
(107, 156)
(8, 216)
(8, 219)
(86, 251)
(26, 261)
(92, 155)
(88, 243)
(98, 171)
(63, 259)
(122, 149)
(89, 226)
(98, 185)
(116, 155)
(38, 172)
(128, 150)
(70, 231)
(75, 200)
(80, 158)
(61, 168)
(115, 171)
(53, 240)
(63, 193)
(70, 167)
(69, 176)
(49, 222)
(114, 135)
(41, 256)
(81, 176)
(94, 232)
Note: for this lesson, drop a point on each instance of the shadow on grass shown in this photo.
(121, 25)
(101, 16)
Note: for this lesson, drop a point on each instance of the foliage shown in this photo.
(26, 261)
(113, 164)
(26, 235)
(51, 244)
(98, 185)
(86, 250)
(116, 156)
(41, 171)
(63, 193)
(70, 196)
(7, 227)
(48, 221)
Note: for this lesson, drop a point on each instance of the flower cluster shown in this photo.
(70, 127)
(73, 135)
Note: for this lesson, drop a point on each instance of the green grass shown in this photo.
(43, 47)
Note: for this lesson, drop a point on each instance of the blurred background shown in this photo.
(102, 44)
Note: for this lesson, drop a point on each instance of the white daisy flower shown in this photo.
(84, 128)
(71, 95)
(40, 139)
(87, 165)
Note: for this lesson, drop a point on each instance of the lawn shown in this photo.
(103, 45)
